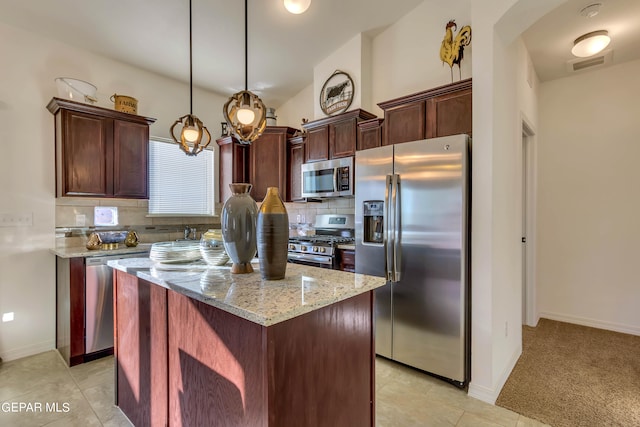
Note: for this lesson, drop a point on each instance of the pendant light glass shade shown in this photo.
(246, 115)
(297, 6)
(245, 112)
(590, 43)
(193, 131)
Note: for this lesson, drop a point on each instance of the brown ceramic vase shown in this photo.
(272, 236)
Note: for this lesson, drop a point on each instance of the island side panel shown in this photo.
(321, 367)
(217, 372)
(141, 350)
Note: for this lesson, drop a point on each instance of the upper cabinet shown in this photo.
(268, 162)
(234, 159)
(442, 111)
(296, 147)
(334, 137)
(100, 152)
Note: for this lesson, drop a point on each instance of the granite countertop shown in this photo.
(265, 302)
(81, 251)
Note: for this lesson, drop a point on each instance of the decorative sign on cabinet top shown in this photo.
(337, 93)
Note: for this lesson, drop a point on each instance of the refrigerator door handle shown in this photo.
(397, 253)
(388, 244)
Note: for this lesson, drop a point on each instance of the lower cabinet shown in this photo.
(347, 260)
(181, 362)
(141, 350)
(70, 296)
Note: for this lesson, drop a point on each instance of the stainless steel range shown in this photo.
(320, 250)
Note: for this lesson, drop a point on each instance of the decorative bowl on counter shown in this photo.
(212, 248)
(175, 252)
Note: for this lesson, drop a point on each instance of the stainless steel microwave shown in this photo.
(331, 178)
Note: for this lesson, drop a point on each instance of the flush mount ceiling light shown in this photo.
(244, 111)
(297, 6)
(590, 43)
(193, 131)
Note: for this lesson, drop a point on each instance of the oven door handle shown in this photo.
(305, 257)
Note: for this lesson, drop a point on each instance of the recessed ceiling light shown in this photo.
(591, 43)
(591, 10)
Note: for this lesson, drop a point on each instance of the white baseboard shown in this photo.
(29, 350)
(593, 323)
(490, 395)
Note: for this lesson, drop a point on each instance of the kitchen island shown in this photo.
(200, 346)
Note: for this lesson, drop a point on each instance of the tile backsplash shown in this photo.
(75, 221)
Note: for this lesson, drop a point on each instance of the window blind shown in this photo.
(179, 184)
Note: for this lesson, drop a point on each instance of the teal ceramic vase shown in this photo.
(272, 236)
(238, 225)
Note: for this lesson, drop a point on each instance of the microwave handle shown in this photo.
(335, 180)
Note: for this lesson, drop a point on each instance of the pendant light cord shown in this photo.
(246, 48)
(190, 63)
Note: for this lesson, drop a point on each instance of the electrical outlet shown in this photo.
(81, 219)
(16, 219)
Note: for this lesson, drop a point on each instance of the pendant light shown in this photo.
(244, 111)
(193, 131)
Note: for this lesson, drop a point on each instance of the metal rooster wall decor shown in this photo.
(452, 49)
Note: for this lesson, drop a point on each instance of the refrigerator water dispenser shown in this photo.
(373, 216)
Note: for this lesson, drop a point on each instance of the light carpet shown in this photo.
(572, 375)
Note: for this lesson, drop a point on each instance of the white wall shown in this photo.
(406, 56)
(28, 69)
(351, 58)
(588, 199)
(497, 119)
(295, 109)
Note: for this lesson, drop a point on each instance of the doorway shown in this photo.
(529, 310)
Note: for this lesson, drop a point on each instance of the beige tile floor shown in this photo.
(83, 396)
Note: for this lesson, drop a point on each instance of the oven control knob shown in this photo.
(292, 247)
(315, 249)
(322, 250)
(303, 248)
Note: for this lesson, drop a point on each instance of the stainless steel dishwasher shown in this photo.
(99, 301)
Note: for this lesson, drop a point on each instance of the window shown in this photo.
(179, 185)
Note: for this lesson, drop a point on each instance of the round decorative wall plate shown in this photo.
(337, 93)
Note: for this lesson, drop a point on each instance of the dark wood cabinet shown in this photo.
(233, 166)
(442, 111)
(405, 123)
(181, 362)
(334, 137)
(70, 303)
(100, 152)
(347, 259)
(450, 113)
(369, 134)
(141, 350)
(294, 170)
(268, 162)
(317, 144)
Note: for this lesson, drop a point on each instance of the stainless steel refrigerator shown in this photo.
(411, 219)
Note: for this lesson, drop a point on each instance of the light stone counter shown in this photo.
(81, 251)
(265, 302)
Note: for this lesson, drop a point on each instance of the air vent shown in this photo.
(581, 64)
